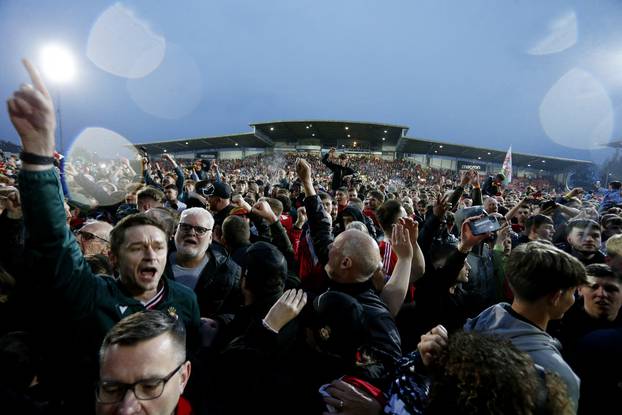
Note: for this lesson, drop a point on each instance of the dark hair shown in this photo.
(146, 325)
(536, 269)
(20, 360)
(168, 217)
(343, 189)
(500, 176)
(535, 221)
(150, 192)
(171, 186)
(377, 195)
(325, 196)
(99, 264)
(482, 374)
(235, 231)
(581, 224)
(286, 201)
(599, 270)
(387, 214)
(265, 270)
(117, 234)
(615, 185)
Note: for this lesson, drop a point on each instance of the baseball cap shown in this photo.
(218, 189)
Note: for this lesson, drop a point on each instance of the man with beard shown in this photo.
(583, 241)
(205, 268)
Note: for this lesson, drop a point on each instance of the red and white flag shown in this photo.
(507, 166)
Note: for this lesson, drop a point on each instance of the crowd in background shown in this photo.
(299, 283)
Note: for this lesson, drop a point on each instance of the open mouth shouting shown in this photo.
(147, 273)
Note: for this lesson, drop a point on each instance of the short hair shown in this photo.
(275, 205)
(265, 270)
(387, 213)
(325, 196)
(285, 201)
(171, 186)
(169, 218)
(599, 271)
(535, 221)
(99, 264)
(150, 192)
(355, 201)
(581, 224)
(342, 189)
(117, 234)
(500, 176)
(537, 269)
(235, 231)
(614, 246)
(143, 326)
(615, 185)
(360, 226)
(377, 195)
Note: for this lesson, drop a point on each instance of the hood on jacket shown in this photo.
(526, 337)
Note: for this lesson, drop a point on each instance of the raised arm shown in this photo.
(318, 219)
(52, 250)
(395, 289)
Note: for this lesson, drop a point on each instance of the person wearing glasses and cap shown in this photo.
(143, 367)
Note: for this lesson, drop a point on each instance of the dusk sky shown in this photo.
(542, 76)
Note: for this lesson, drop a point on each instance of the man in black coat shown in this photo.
(350, 260)
(339, 169)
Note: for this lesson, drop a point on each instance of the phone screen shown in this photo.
(484, 225)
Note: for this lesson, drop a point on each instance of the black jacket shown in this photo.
(218, 288)
(383, 333)
(338, 172)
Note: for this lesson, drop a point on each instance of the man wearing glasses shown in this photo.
(94, 238)
(205, 268)
(143, 367)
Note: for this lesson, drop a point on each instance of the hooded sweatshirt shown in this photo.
(526, 337)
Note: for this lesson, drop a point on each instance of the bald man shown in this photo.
(350, 260)
(94, 238)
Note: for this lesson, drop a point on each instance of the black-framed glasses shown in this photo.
(88, 236)
(199, 230)
(145, 390)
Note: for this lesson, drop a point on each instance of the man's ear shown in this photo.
(346, 262)
(555, 297)
(185, 376)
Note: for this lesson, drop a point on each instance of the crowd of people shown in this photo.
(299, 283)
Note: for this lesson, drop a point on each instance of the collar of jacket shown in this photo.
(352, 289)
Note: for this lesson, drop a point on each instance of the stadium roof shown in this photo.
(244, 140)
(370, 136)
(486, 155)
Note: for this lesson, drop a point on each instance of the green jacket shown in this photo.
(55, 259)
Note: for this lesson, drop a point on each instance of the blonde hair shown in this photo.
(614, 246)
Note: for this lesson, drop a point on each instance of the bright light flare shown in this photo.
(57, 63)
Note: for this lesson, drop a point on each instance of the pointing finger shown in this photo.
(35, 77)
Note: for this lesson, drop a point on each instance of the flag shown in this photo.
(507, 167)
